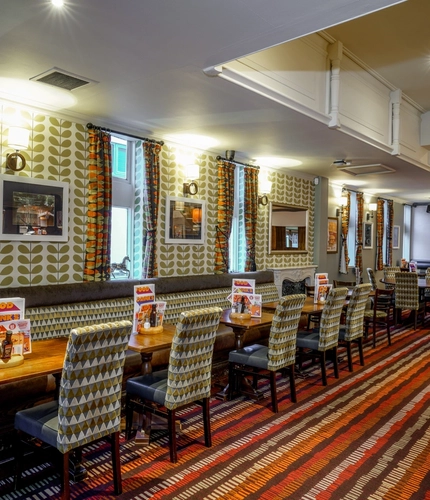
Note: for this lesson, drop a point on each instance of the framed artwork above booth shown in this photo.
(396, 237)
(33, 209)
(185, 221)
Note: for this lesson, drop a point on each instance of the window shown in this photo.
(237, 242)
(122, 200)
(352, 229)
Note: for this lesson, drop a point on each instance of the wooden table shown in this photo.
(240, 327)
(147, 344)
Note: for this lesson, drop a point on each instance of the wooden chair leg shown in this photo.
(255, 379)
(273, 391)
(388, 333)
(128, 416)
(231, 381)
(349, 353)
(65, 483)
(323, 368)
(172, 436)
(292, 383)
(207, 422)
(116, 463)
(335, 365)
(360, 350)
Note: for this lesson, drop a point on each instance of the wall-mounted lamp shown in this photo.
(192, 172)
(265, 189)
(372, 207)
(18, 140)
(343, 201)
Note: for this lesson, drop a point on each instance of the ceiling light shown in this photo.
(35, 94)
(57, 3)
(192, 140)
(276, 161)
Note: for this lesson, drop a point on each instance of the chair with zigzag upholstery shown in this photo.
(353, 329)
(187, 379)
(324, 339)
(408, 296)
(372, 279)
(89, 403)
(261, 361)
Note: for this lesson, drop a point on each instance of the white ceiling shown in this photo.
(148, 58)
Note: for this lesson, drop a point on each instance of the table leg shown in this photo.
(146, 368)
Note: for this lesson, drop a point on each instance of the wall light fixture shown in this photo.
(265, 188)
(372, 207)
(17, 140)
(343, 201)
(192, 172)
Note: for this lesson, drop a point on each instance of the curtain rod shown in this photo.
(145, 139)
(237, 162)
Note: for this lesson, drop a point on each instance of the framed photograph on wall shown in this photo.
(367, 235)
(185, 221)
(396, 237)
(332, 235)
(33, 209)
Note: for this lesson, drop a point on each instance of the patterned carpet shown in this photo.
(365, 436)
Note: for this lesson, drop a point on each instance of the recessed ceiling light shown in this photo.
(192, 140)
(35, 94)
(276, 161)
(57, 3)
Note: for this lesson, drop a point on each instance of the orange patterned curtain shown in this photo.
(390, 210)
(225, 215)
(359, 236)
(344, 258)
(99, 210)
(150, 202)
(251, 215)
(379, 234)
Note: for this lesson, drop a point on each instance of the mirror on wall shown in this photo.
(288, 228)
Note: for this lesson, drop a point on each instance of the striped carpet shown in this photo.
(364, 436)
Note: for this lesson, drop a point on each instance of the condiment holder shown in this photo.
(236, 315)
(14, 360)
(152, 330)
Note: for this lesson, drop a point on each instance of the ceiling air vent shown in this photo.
(62, 79)
(371, 169)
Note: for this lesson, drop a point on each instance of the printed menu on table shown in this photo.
(21, 335)
(321, 279)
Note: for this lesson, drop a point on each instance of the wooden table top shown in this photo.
(47, 356)
(422, 282)
(245, 324)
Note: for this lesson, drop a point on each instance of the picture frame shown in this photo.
(185, 221)
(396, 237)
(33, 209)
(367, 235)
(332, 235)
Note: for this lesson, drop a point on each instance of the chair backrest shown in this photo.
(354, 323)
(428, 272)
(390, 272)
(190, 362)
(283, 332)
(407, 291)
(330, 318)
(372, 279)
(382, 301)
(89, 404)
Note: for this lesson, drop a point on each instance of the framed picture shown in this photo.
(185, 221)
(33, 209)
(367, 235)
(332, 235)
(396, 237)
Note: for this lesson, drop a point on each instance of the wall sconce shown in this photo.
(265, 189)
(372, 207)
(17, 140)
(192, 172)
(343, 201)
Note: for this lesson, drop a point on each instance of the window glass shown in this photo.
(119, 157)
(119, 240)
(352, 229)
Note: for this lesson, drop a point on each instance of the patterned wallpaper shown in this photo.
(58, 151)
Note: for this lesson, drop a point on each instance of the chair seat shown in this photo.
(253, 355)
(40, 421)
(379, 314)
(152, 387)
(308, 340)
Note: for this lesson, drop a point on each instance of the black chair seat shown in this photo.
(308, 340)
(152, 387)
(253, 355)
(40, 422)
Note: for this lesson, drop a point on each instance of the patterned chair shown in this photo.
(427, 291)
(354, 326)
(89, 404)
(390, 273)
(381, 313)
(372, 279)
(408, 295)
(187, 379)
(264, 362)
(326, 337)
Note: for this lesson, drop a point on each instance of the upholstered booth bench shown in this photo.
(55, 309)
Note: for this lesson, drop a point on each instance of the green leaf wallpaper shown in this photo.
(58, 151)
